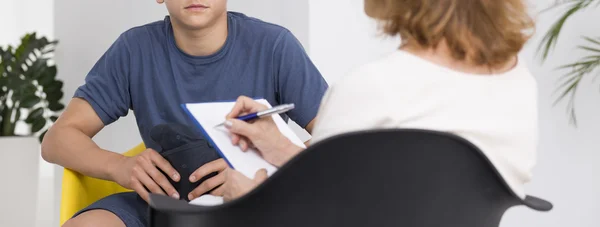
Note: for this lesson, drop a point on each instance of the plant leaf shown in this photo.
(54, 96)
(30, 101)
(49, 50)
(17, 116)
(56, 106)
(38, 124)
(14, 82)
(38, 67)
(571, 81)
(49, 72)
(570, 88)
(46, 78)
(577, 64)
(589, 48)
(41, 137)
(596, 41)
(37, 113)
(551, 38)
(54, 86)
(24, 49)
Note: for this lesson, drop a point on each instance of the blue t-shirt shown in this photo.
(146, 72)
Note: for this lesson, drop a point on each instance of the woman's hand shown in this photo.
(262, 134)
(237, 185)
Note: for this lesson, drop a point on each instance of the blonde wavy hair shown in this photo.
(481, 32)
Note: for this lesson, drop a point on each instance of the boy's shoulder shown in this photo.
(156, 29)
(254, 27)
(253, 22)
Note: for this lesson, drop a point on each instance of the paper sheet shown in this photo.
(211, 114)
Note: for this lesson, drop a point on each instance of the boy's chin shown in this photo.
(198, 22)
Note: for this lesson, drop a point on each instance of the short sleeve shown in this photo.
(106, 86)
(298, 81)
(354, 103)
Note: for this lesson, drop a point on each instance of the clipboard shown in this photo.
(209, 114)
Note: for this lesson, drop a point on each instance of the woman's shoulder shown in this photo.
(385, 67)
(390, 70)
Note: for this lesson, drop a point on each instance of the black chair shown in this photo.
(408, 178)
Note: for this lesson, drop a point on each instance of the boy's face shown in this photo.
(195, 14)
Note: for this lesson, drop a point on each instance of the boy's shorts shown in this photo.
(128, 206)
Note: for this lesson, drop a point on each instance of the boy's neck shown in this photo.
(201, 42)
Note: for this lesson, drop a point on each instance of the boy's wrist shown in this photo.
(112, 165)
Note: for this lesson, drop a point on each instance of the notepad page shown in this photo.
(211, 114)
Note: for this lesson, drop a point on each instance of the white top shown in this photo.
(497, 113)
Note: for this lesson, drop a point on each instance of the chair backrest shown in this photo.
(409, 178)
(79, 191)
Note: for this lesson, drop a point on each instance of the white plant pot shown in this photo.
(19, 164)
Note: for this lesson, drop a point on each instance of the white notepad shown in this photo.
(208, 115)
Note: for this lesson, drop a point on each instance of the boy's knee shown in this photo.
(95, 218)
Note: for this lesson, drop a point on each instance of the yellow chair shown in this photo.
(79, 191)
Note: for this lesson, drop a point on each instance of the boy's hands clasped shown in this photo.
(142, 173)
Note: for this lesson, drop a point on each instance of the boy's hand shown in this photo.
(215, 182)
(140, 173)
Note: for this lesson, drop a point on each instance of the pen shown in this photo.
(265, 113)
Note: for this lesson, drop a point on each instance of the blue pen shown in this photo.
(265, 113)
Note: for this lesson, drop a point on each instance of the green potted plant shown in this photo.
(30, 97)
(578, 69)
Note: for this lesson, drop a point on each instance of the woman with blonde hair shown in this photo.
(456, 71)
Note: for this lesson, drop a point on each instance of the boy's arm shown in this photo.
(298, 80)
(310, 126)
(309, 129)
(100, 101)
(69, 142)
(104, 98)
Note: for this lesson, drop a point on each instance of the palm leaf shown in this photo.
(551, 37)
(571, 81)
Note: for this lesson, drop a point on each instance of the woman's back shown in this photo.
(456, 71)
(498, 113)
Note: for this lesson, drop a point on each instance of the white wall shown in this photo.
(290, 14)
(342, 37)
(9, 26)
(18, 19)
